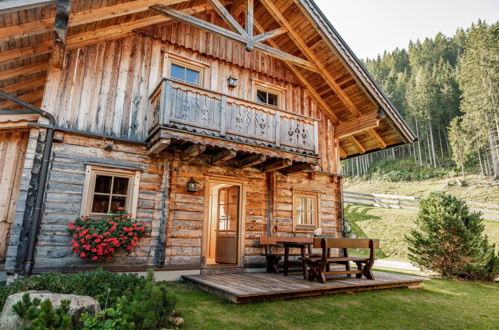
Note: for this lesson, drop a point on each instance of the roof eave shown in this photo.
(361, 73)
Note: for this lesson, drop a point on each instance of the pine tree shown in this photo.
(449, 240)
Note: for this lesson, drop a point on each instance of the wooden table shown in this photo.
(294, 242)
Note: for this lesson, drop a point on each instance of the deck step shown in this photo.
(222, 270)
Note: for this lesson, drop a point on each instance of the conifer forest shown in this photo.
(447, 90)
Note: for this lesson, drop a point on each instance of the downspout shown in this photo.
(42, 180)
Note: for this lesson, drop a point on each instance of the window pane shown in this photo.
(116, 202)
(233, 195)
(192, 76)
(100, 204)
(103, 184)
(177, 72)
(120, 186)
(273, 99)
(261, 96)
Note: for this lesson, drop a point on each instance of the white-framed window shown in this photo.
(106, 189)
(305, 210)
(185, 69)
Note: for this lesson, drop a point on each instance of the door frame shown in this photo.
(210, 181)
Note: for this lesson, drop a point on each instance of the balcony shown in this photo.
(185, 113)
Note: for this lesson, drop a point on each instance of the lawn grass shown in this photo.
(438, 304)
(391, 225)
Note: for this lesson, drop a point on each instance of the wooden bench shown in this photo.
(319, 267)
(273, 256)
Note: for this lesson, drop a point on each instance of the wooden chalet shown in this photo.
(216, 122)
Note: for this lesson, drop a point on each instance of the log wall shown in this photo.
(175, 215)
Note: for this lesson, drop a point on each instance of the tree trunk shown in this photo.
(494, 154)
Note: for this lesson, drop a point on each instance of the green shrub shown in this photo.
(42, 315)
(104, 286)
(150, 306)
(449, 240)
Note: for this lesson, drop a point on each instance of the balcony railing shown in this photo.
(180, 106)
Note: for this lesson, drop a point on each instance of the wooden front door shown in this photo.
(227, 222)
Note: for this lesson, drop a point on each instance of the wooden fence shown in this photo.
(489, 211)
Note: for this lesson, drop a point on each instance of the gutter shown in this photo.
(42, 180)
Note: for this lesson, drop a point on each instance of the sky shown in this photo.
(370, 27)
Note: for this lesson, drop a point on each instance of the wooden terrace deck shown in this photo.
(251, 287)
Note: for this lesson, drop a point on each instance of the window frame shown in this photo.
(188, 63)
(264, 86)
(91, 173)
(297, 196)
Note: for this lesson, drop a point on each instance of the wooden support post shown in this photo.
(277, 165)
(270, 180)
(192, 152)
(249, 161)
(249, 23)
(61, 24)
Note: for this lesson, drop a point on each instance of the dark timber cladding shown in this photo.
(253, 287)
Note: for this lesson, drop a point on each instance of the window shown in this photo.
(266, 97)
(306, 210)
(185, 74)
(107, 189)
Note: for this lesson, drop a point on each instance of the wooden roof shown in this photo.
(365, 118)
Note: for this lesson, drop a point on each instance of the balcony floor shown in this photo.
(252, 287)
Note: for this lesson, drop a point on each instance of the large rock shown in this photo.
(79, 304)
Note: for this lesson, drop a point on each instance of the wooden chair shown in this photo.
(319, 267)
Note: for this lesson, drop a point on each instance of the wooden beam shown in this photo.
(249, 161)
(61, 25)
(276, 165)
(7, 6)
(25, 52)
(357, 144)
(343, 153)
(237, 7)
(250, 10)
(224, 13)
(271, 34)
(81, 17)
(30, 98)
(311, 57)
(325, 107)
(201, 24)
(192, 152)
(222, 156)
(357, 125)
(23, 70)
(159, 146)
(377, 137)
(296, 168)
(28, 84)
